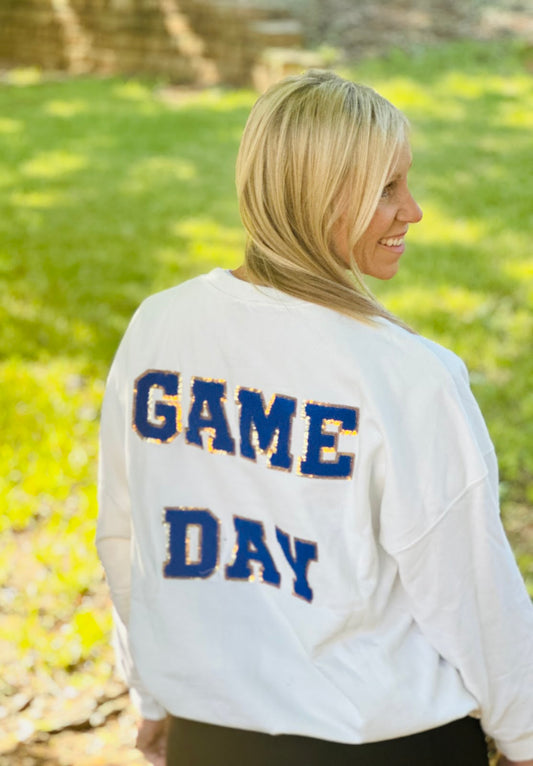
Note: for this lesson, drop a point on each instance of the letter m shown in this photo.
(267, 429)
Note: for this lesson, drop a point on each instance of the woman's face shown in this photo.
(379, 250)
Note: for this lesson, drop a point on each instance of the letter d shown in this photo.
(179, 563)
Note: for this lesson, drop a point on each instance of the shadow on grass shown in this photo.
(101, 179)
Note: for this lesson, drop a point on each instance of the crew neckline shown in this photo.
(224, 281)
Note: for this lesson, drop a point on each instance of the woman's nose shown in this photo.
(410, 211)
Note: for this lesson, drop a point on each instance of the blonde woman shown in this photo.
(298, 494)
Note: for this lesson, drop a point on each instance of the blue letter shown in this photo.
(251, 545)
(179, 562)
(305, 552)
(272, 427)
(318, 440)
(207, 412)
(155, 420)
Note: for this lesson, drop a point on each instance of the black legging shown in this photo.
(460, 743)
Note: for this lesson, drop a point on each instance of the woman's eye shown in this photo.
(388, 189)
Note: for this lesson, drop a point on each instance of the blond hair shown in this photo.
(315, 147)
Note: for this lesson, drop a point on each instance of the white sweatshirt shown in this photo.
(299, 524)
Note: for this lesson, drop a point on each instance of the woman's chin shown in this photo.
(385, 273)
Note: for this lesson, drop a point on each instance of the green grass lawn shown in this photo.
(109, 193)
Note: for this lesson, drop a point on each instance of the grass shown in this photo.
(109, 193)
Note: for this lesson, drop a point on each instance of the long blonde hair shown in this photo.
(315, 147)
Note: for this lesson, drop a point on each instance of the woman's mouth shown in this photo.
(397, 244)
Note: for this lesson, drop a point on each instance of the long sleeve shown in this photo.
(468, 597)
(113, 540)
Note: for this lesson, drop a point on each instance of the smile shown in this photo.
(392, 242)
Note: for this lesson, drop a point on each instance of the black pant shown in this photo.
(460, 743)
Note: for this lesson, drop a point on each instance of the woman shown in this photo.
(298, 495)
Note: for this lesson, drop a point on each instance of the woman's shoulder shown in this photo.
(173, 305)
(417, 355)
(446, 357)
(174, 296)
(437, 372)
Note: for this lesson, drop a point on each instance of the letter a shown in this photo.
(251, 546)
(209, 395)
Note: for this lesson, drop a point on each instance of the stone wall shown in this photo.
(239, 42)
(189, 41)
(361, 28)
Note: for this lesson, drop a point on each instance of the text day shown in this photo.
(186, 559)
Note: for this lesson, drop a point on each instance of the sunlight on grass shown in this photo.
(463, 85)
(48, 489)
(521, 271)
(456, 301)
(157, 169)
(133, 91)
(206, 235)
(516, 115)
(202, 244)
(216, 99)
(408, 94)
(438, 226)
(43, 470)
(43, 323)
(23, 76)
(7, 125)
(413, 97)
(54, 164)
(40, 200)
(72, 108)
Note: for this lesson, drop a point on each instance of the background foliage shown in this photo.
(114, 189)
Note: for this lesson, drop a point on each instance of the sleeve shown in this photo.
(113, 536)
(440, 521)
(468, 597)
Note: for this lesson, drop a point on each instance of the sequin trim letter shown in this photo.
(207, 413)
(266, 429)
(156, 420)
(251, 546)
(179, 563)
(304, 553)
(321, 442)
